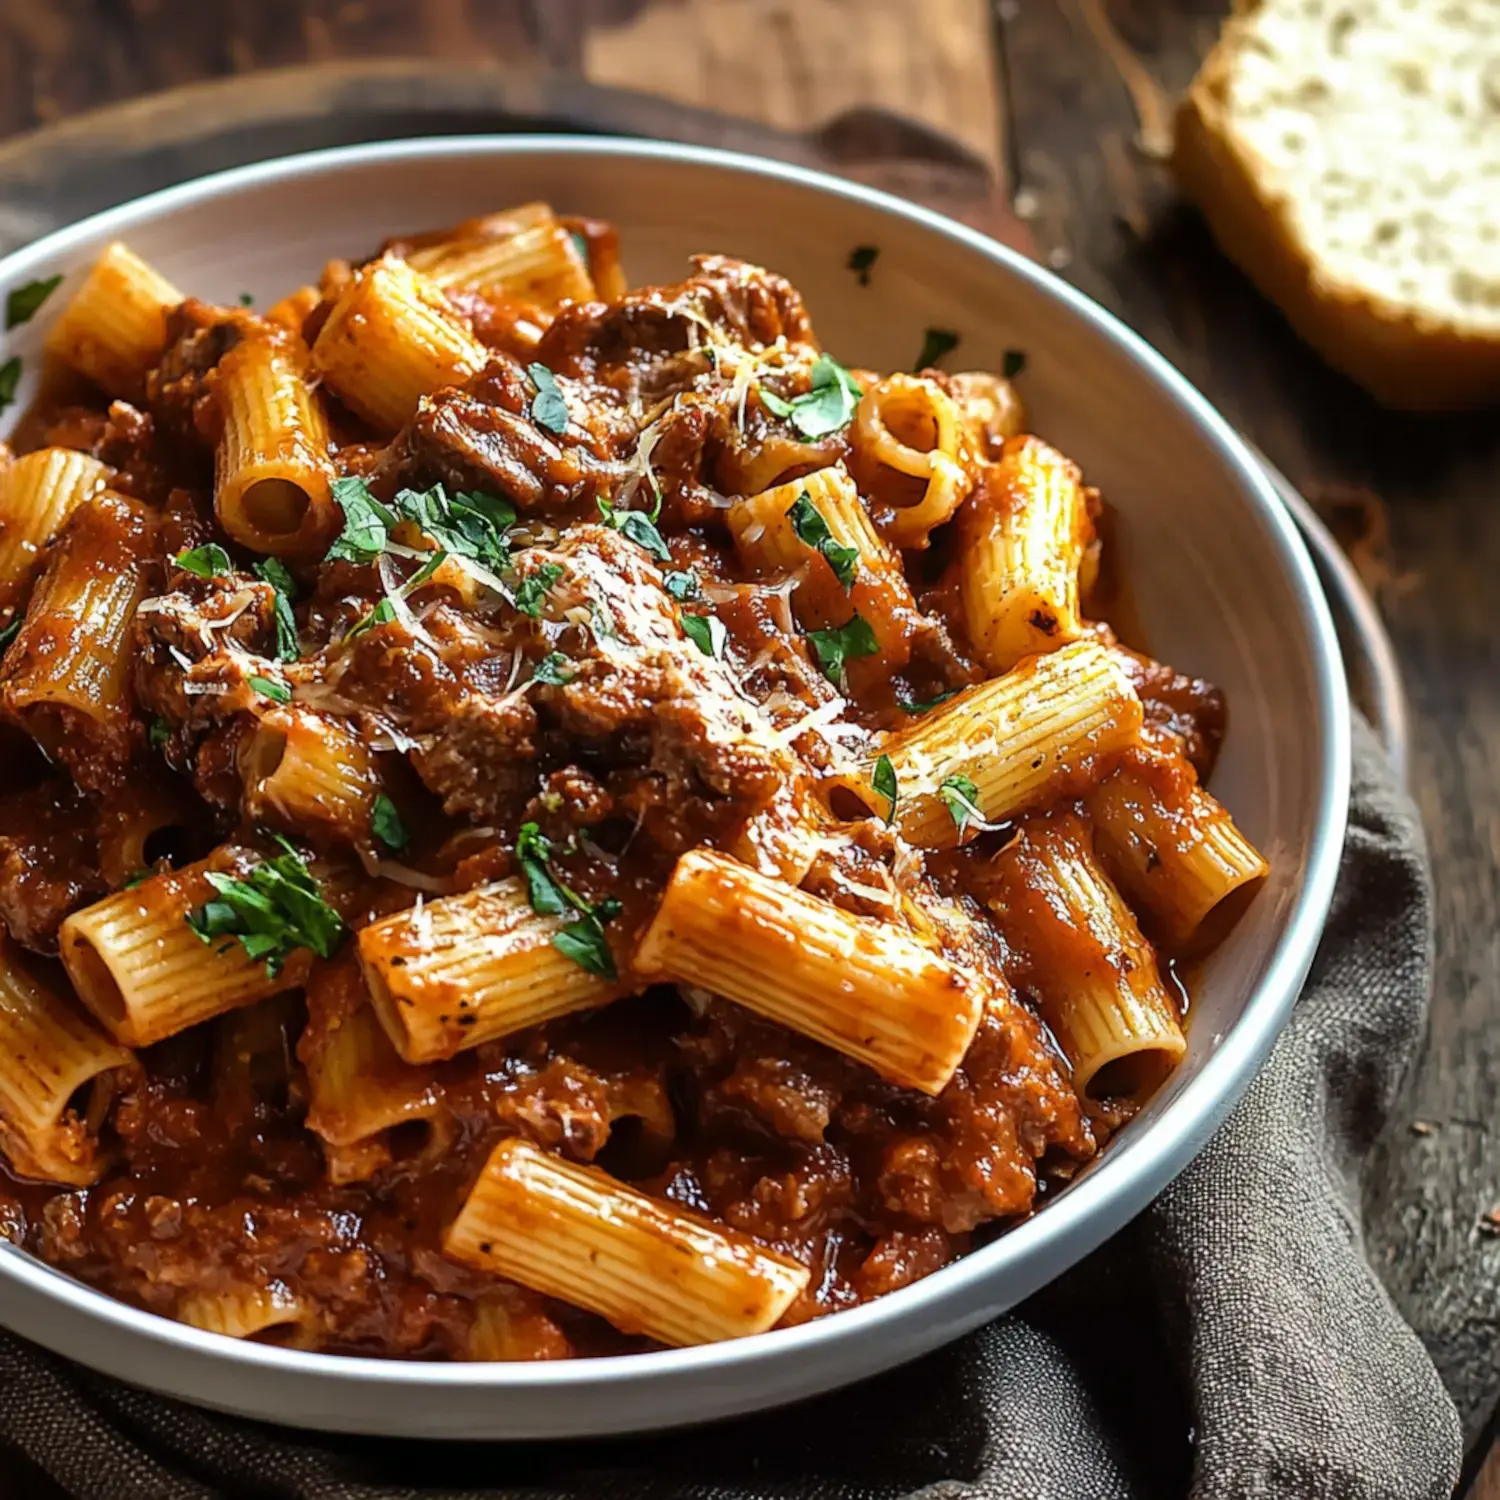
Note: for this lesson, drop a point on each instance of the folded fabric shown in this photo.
(1232, 1342)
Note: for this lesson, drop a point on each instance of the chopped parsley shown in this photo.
(706, 632)
(273, 910)
(247, 299)
(912, 706)
(861, 259)
(533, 589)
(10, 378)
(158, 733)
(807, 521)
(683, 586)
(273, 571)
(211, 561)
(639, 526)
(838, 646)
(1015, 362)
(268, 687)
(139, 878)
(471, 523)
(935, 344)
(960, 797)
(386, 824)
(10, 632)
(581, 940)
(383, 613)
(883, 779)
(367, 523)
(555, 670)
(580, 244)
(550, 408)
(825, 409)
(21, 305)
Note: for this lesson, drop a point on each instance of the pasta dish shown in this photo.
(550, 819)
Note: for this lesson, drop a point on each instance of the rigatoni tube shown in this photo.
(541, 265)
(115, 326)
(306, 771)
(449, 974)
(272, 470)
(37, 495)
(867, 989)
(1174, 848)
(1022, 536)
(67, 675)
(241, 1312)
(1094, 974)
(648, 1267)
(147, 975)
(58, 1074)
(1049, 728)
(768, 537)
(392, 338)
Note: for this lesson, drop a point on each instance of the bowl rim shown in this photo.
(1128, 1176)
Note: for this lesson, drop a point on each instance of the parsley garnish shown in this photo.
(470, 524)
(936, 343)
(247, 299)
(158, 733)
(10, 632)
(683, 586)
(550, 408)
(21, 305)
(827, 408)
(706, 632)
(910, 706)
(532, 589)
(211, 561)
(273, 910)
(1015, 362)
(555, 670)
(582, 940)
(383, 613)
(273, 571)
(139, 878)
(960, 797)
(580, 244)
(386, 824)
(837, 647)
(861, 258)
(10, 378)
(883, 780)
(367, 522)
(268, 687)
(639, 526)
(807, 521)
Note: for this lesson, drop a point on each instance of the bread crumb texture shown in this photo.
(1368, 133)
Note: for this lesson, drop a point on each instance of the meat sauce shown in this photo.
(214, 1179)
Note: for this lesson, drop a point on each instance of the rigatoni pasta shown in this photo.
(572, 1232)
(114, 327)
(58, 1076)
(1094, 973)
(391, 338)
(572, 820)
(272, 462)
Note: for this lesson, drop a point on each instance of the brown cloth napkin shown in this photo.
(1233, 1341)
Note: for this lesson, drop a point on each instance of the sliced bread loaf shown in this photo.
(1346, 154)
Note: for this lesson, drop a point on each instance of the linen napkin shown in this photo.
(1233, 1341)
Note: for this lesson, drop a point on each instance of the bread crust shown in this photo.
(1403, 359)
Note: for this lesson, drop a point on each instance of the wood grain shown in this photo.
(1087, 80)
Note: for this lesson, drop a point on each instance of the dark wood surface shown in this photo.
(1071, 109)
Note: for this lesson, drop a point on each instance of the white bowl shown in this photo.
(1224, 590)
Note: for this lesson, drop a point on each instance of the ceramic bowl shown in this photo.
(1223, 587)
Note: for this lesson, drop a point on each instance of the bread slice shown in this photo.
(1346, 154)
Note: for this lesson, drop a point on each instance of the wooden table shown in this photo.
(1073, 108)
